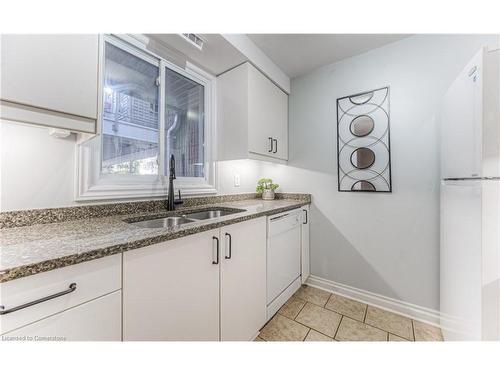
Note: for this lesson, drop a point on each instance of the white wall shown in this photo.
(37, 170)
(382, 243)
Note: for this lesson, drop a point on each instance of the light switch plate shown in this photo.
(236, 180)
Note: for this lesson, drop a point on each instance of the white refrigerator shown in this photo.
(470, 202)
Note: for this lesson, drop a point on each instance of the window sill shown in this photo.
(98, 193)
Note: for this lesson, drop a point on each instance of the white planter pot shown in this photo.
(268, 194)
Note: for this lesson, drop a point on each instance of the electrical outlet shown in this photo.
(236, 180)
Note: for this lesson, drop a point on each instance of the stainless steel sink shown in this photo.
(210, 214)
(164, 222)
(174, 221)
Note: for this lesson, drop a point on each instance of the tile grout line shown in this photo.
(338, 327)
(302, 308)
(305, 337)
(401, 337)
(413, 330)
(328, 299)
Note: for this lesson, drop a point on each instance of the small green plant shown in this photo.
(266, 184)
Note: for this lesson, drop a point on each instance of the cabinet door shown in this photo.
(267, 116)
(171, 290)
(281, 144)
(305, 262)
(97, 320)
(243, 280)
(55, 72)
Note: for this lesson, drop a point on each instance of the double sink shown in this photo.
(177, 220)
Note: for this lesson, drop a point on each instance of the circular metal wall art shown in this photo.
(363, 142)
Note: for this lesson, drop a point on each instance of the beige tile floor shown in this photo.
(313, 314)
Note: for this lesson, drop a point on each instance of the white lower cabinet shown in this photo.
(182, 289)
(74, 303)
(97, 320)
(243, 280)
(171, 290)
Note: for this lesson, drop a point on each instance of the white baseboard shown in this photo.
(409, 310)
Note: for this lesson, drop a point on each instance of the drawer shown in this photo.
(93, 279)
(97, 320)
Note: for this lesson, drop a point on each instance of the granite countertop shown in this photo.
(31, 249)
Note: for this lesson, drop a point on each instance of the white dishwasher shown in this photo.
(283, 258)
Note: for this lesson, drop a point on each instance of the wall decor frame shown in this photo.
(363, 142)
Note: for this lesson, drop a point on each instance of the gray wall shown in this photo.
(382, 243)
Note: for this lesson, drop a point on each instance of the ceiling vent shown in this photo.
(194, 39)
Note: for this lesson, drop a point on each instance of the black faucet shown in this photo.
(171, 202)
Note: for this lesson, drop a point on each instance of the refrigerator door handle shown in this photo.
(489, 178)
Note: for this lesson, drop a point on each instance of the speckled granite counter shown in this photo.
(30, 249)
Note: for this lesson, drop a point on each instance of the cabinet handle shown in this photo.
(217, 258)
(230, 246)
(276, 144)
(270, 144)
(306, 217)
(72, 288)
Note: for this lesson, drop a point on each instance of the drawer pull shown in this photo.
(72, 288)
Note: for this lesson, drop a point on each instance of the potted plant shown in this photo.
(266, 187)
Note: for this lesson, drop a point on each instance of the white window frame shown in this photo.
(91, 184)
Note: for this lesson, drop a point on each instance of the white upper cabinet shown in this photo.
(252, 116)
(50, 80)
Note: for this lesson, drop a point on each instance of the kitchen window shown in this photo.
(150, 109)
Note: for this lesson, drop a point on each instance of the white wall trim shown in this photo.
(409, 310)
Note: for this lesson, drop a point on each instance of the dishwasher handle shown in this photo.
(279, 217)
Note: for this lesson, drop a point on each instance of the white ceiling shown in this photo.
(217, 55)
(298, 54)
